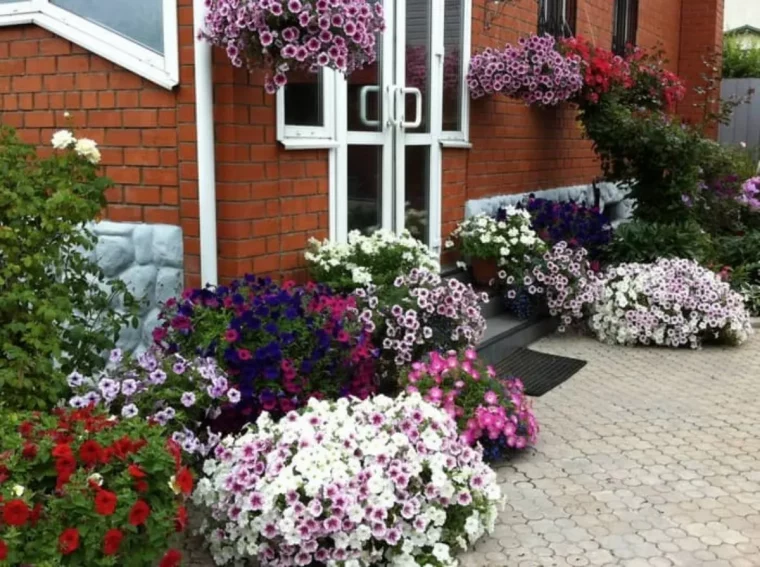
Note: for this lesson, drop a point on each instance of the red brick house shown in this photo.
(193, 142)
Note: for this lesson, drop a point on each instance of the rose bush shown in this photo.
(79, 488)
(285, 35)
(488, 410)
(378, 258)
(672, 302)
(183, 396)
(380, 481)
(280, 345)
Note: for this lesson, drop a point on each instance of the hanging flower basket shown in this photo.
(533, 71)
(286, 35)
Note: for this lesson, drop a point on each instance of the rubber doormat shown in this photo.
(539, 372)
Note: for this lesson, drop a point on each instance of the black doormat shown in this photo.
(539, 372)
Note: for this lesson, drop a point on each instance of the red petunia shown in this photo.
(139, 513)
(62, 450)
(29, 451)
(175, 451)
(185, 480)
(4, 474)
(68, 541)
(15, 513)
(26, 429)
(90, 452)
(172, 558)
(112, 541)
(136, 472)
(3, 550)
(141, 486)
(34, 517)
(180, 522)
(105, 502)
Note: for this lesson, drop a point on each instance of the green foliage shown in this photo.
(80, 470)
(740, 62)
(54, 315)
(751, 294)
(640, 241)
(742, 255)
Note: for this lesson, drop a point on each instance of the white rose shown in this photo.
(88, 149)
(63, 139)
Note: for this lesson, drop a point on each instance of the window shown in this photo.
(557, 17)
(139, 35)
(306, 110)
(624, 25)
(456, 56)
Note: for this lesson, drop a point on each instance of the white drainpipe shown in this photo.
(204, 117)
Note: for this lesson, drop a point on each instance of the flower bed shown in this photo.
(671, 303)
(375, 482)
(284, 35)
(280, 345)
(184, 396)
(78, 488)
(533, 71)
(490, 411)
(375, 259)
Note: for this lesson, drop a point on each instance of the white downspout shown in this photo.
(204, 118)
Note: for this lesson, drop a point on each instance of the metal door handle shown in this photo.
(363, 92)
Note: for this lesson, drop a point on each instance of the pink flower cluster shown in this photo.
(533, 71)
(751, 193)
(489, 410)
(565, 277)
(307, 35)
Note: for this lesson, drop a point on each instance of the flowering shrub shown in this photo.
(279, 345)
(283, 35)
(184, 396)
(487, 410)
(533, 71)
(381, 481)
(421, 312)
(578, 225)
(672, 302)
(79, 488)
(564, 276)
(375, 259)
(652, 85)
(602, 69)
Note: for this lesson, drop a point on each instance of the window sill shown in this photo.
(460, 144)
(308, 143)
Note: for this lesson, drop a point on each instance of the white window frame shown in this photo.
(295, 137)
(458, 138)
(162, 70)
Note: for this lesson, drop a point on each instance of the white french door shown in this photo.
(387, 163)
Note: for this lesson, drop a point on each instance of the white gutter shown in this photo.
(204, 117)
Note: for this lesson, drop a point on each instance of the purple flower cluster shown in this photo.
(750, 195)
(533, 71)
(307, 35)
(673, 302)
(185, 396)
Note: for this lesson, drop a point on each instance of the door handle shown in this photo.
(363, 92)
(418, 106)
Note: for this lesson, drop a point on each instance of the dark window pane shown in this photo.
(417, 185)
(139, 20)
(452, 65)
(303, 100)
(365, 188)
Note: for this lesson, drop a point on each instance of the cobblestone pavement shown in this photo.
(647, 457)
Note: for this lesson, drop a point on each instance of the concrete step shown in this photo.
(506, 333)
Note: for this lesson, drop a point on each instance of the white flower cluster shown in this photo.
(508, 237)
(424, 312)
(84, 147)
(672, 302)
(368, 259)
(350, 484)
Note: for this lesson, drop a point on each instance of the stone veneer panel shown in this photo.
(148, 258)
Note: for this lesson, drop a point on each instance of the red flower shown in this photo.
(139, 513)
(4, 474)
(172, 558)
(105, 503)
(3, 550)
(30, 451)
(90, 452)
(26, 429)
(34, 517)
(62, 450)
(180, 523)
(136, 471)
(185, 480)
(68, 541)
(175, 451)
(15, 513)
(112, 541)
(141, 486)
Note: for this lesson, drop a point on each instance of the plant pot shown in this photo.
(484, 270)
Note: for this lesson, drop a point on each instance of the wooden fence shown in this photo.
(745, 122)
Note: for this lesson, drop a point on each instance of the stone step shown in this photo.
(506, 333)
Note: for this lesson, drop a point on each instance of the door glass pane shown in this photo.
(139, 20)
(365, 188)
(417, 180)
(418, 20)
(452, 65)
(303, 99)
